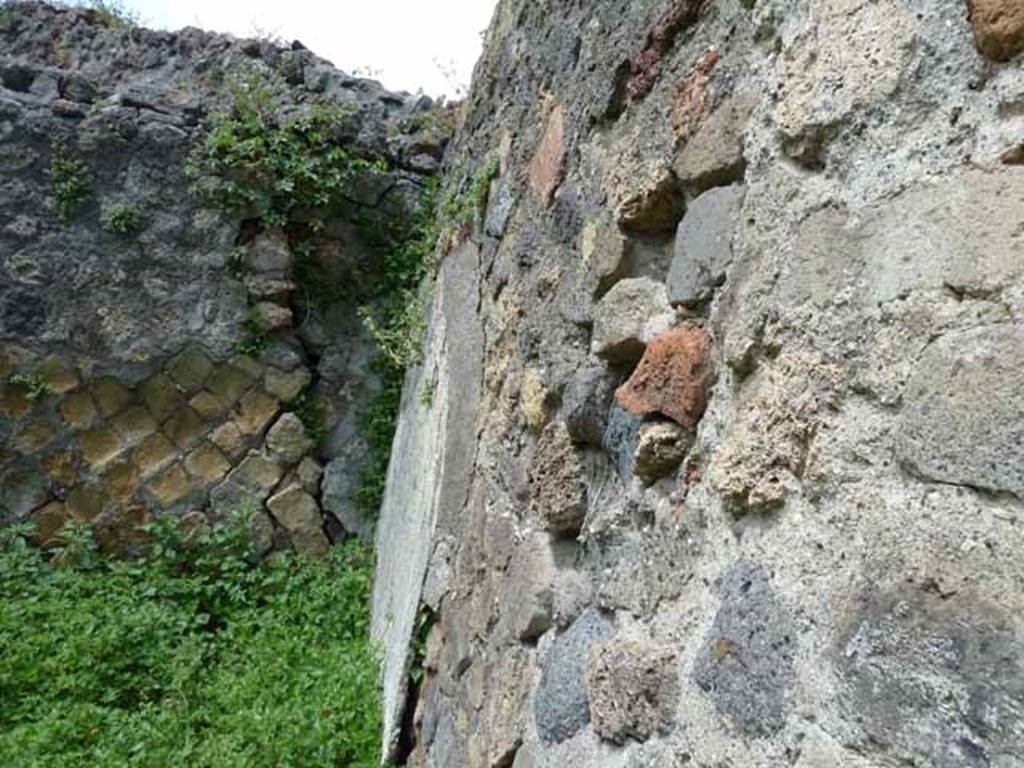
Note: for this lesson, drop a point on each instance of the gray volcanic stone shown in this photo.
(558, 492)
(585, 403)
(561, 706)
(703, 248)
(745, 664)
(632, 313)
(714, 155)
(620, 440)
(964, 420)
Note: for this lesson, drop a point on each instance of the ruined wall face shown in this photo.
(123, 389)
(747, 474)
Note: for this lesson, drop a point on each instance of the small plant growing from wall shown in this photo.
(121, 218)
(33, 384)
(69, 180)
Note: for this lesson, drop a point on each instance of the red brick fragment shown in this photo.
(690, 108)
(547, 166)
(672, 378)
(646, 65)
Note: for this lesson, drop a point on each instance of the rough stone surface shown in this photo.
(660, 449)
(703, 247)
(672, 378)
(561, 704)
(633, 689)
(288, 440)
(713, 154)
(629, 316)
(546, 168)
(298, 513)
(998, 27)
(558, 493)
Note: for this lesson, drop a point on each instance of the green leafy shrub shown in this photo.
(33, 384)
(254, 336)
(255, 161)
(113, 14)
(69, 180)
(121, 218)
(195, 655)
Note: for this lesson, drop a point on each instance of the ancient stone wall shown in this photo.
(744, 478)
(158, 355)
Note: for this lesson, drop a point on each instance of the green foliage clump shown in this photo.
(254, 336)
(193, 655)
(463, 212)
(279, 169)
(113, 14)
(121, 218)
(310, 413)
(69, 180)
(33, 384)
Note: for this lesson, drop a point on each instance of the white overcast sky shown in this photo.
(406, 44)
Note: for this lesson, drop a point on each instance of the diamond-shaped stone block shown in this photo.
(185, 428)
(153, 453)
(255, 411)
(111, 395)
(228, 382)
(161, 396)
(59, 376)
(189, 368)
(170, 487)
(121, 480)
(209, 406)
(229, 438)
(98, 446)
(207, 464)
(78, 410)
(134, 424)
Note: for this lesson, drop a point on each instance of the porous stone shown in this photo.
(98, 446)
(529, 590)
(746, 659)
(153, 453)
(271, 316)
(660, 449)
(286, 385)
(110, 395)
(672, 378)
(633, 689)
(288, 440)
(964, 420)
(269, 253)
(189, 368)
(998, 27)
(298, 513)
(185, 428)
(654, 204)
(161, 396)
(561, 704)
(121, 480)
(630, 315)
(229, 438)
(206, 464)
(134, 424)
(258, 473)
(558, 493)
(78, 410)
(255, 411)
(703, 247)
(170, 487)
(713, 155)
(308, 475)
(533, 400)
(602, 255)
(210, 407)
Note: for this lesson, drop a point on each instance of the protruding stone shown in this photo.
(229, 438)
(998, 27)
(286, 385)
(134, 424)
(308, 475)
(258, 473)
(206, 464)
(713, 155)
(602, 255)
(209, 406)
(58, 376)
(185, 428)
(98, 446)
(633, 688)
(532, 397)
(271, 316)
(298, 513)
(153, 453)
(190, 368)
(630, 315)
(248, 365)
(655, 206)
(269, 253)
(548, 164)
(110, 395)
(263, 287)
(585, 403)
(121, 480)
(288, 440)
(661, 448)
(122, 532)
(558, 493)
(255, 411)
(161, 396)
(170, 487)
(672, 379)
(527, 602)
(703, 249)
(78, 410)
(561, 705)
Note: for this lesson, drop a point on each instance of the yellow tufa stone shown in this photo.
(111, 395)
(190, 368)
(255, 411)
(228, 382)
(170, 487)
(206, 464)
(229, 438)
(78, 410)
(98, 446)
(153, 454)
(286, 385)
(33, 437)
(58, 375)
(161, 396)
(209, 406)
(121, 480)
(85, 503)
(532, 395)
(185, 428)
(134, 424)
